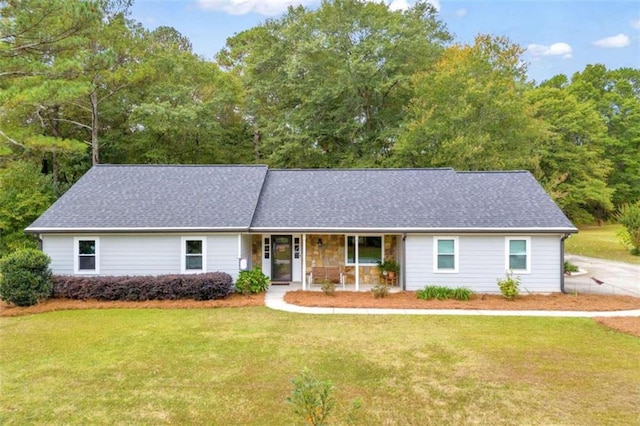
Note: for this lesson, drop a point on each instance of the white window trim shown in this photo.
(346, 249)
(76, 256)
(507, 253)
(455, 269)
(183, 255)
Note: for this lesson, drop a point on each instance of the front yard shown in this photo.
(234, 366)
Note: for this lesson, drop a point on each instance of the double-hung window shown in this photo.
(194, 254)
(445, 257)
(518, 254)
(367, 249)
(86, 255)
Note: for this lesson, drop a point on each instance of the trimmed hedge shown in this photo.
(25, 277)
(212, 285)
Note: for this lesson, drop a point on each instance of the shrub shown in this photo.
(462, 293)
(509, 287)
(629, 217)
(253, 281)
(442, 293)
(25, 277)
(328, 287)
(380, 291)
(212, 285)
(569, 267)
(312, 399)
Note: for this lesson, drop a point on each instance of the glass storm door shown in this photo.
(281, 258)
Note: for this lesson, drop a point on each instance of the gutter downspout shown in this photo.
(403, 263)
(564, 237)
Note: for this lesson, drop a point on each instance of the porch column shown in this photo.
(357, 262)
(303, 255)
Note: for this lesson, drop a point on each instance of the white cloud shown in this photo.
(556, 49)
(399, 5)
(242, 7)
(635, 23)
(620, 40)
(461, 13)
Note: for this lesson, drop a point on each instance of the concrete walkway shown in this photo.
(274, 299)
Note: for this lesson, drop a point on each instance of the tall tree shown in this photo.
(24, 195)
(469, 112)
(185, 111)
(58, 89)
(327, 87)
(572, 164)
(616, 94)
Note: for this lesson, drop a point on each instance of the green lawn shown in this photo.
(600, 242)
(234, 366)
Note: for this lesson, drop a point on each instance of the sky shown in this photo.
(560, 36)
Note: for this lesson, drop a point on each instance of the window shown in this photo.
(86, 259)
(445, 254)
(194, 254)
(518, 254)
(367, 249)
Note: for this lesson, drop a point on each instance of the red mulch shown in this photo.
(233, 301)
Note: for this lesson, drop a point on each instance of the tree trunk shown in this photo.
(256, 143)
(95, 148)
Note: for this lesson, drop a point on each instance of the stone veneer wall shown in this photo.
(332, 253)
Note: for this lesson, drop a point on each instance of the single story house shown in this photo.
(443, 227)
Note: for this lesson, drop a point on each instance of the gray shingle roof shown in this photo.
(405, 199)
(158, 197)
(253, 198)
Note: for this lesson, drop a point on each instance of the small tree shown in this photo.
(25, 277)
(312, 399)
(629, 217)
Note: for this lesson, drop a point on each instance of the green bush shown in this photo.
(509, 287)
(253, 281)
(441, 293)
(629, 217)
(569, 267)
(25, 277)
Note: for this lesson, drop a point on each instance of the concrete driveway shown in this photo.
(617, 277)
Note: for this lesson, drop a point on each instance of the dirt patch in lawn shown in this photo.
(233, 301)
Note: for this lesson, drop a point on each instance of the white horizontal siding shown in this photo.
(143, 254)
(60, 250)
(222, 254)
(482, 262)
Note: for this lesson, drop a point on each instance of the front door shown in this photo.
(281, 258)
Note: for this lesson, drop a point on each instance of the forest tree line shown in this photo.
(349, 84)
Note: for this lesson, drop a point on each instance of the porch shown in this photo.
(293, 258)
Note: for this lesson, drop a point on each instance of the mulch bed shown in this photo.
(233, 301)
(409, 300)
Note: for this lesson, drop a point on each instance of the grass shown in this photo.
(234, 366)
(600, 242)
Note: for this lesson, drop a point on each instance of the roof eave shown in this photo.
(136, 230)
(416, 230)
